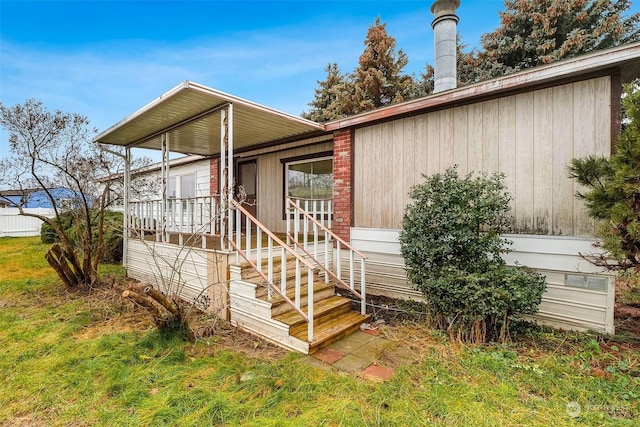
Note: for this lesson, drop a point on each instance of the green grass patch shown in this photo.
(62, 363)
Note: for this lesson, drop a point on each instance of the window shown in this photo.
(181, 187)
(187, 186)
(171, 188)
(309, 179)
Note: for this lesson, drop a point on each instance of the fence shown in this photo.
(13, 224)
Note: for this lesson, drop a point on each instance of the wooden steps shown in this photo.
(333, 319)
(333, 315)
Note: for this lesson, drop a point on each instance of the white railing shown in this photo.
(191, 216)
(308, 228)
(251, 247)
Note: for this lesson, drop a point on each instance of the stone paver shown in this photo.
(329, 355)
(352, 363)
(373, 349)
(360, 353)
(352, 342)
(378, 372)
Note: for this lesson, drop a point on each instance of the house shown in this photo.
(295, 210)
(36, 198)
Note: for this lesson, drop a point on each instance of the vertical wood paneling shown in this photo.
(507, 145)
(433, 143)
(562, 154)
(542, 161)
(490, 136)
(422, 147)
(474, 133)
(603, 114)
(378, 153)
(460, 138)
(396, 173)
(530, 137)
(447, 141)
(271, 185)
(584, 144)
(360, 157)
(411, 160)
(524, 173)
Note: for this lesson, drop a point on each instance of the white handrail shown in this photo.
(297, 214)
(286, 252)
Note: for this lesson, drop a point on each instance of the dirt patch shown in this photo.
(627, 307)
(112, 314)
(221, 334)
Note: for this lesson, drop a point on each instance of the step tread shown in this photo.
(329, 332)
(261, 292)
(320, 308)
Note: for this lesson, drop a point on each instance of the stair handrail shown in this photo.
(308, 317)
(341, 282)
(362, 295)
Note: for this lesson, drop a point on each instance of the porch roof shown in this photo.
(190, 114)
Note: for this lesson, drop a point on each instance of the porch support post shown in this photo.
(229, 182)
(223, 179)
(165, 182)
(125, 202)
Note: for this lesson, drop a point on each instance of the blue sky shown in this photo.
(106, 59)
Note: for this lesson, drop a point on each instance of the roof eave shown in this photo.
(625, 59)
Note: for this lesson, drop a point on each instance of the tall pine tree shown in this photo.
(531, 33)
(379, 80)
(332, 97)
(536, 32)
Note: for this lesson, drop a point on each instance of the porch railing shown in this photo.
(250, 247)
(192, 216)
(311, 219)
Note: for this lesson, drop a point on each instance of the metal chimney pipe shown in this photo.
(444, 27)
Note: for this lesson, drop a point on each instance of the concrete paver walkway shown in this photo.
(362, 353)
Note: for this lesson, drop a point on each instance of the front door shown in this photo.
(247, 185)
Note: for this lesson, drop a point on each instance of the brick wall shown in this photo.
(214, 175)
(342, 174)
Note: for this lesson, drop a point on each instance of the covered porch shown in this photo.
(211, 248)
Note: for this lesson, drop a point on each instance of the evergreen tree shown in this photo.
(536, 32)
(378, 80)
(613, 190)
(331, 97)
(424, 84)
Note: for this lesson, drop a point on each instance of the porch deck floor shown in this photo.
(212, 241)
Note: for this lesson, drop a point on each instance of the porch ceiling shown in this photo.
(190, 114)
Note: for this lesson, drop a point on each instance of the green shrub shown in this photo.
(451, 243)
(112, 233)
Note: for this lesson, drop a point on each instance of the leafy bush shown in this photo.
(451, 243)
(112, 252)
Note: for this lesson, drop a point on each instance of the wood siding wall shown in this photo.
(531, 137)
(202, 278)
(270, 198)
